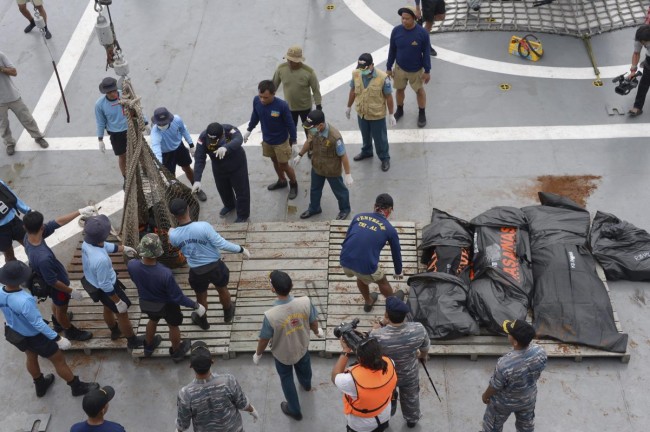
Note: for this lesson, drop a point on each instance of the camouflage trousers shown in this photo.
(409, 400)
(496, 415)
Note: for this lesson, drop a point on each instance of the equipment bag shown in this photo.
(528, 47)
(8, 200)
(13, 337)
(38, 287)
(91, 289)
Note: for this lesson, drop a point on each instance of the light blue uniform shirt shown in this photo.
(22, 315)
(168, 140)
(98, 267)
(109, 115)
(200, 243)
(22, 207)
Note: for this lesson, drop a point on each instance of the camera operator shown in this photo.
(641, 40)
(367, 386)
(404, 343)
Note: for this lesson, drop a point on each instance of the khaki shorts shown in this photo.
(401, 78)
(281, 152)
(367, 279)
(36, 2)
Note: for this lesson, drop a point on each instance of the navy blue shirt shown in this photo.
(107, 426)
(234, 159)
(277, 123)
(42, 259)
(411, 48)
(157, 284)
(366, 237)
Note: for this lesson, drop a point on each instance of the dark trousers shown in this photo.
(341, 192)
(644, 84)
(303, 372)
(380, 428)
(374, 130)
(234, 190)
(303, 116)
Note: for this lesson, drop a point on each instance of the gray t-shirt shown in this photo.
(638, 45)
(8, 91)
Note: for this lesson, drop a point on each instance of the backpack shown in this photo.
(37, 287)
(8, 200)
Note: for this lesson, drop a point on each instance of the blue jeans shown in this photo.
(338, 187)
(303, 372)
(374, 130)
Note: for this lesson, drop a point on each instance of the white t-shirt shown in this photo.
(8, 91)
(638, 46)
(345, 383)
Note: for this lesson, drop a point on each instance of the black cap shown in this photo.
(97, 229)
(214, 131)
(394, 304)
(95, 400)
(365, 60)
(108, 84)
(520, 330)
(14, 273)
(384, 201)
(178, 207)
(314, 118)
(407, 9)
(200, 357)
(162, 116)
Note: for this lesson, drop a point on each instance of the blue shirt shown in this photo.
(200, 243)
(388, 88)
(20, 205)
(43, 261)
(277, 123)
(22, 314)
(366, 237)
(267, 331)
(411, 48)
(168, 140)
(107, 426)
(98, 267)
(156, 283)
(109, 115)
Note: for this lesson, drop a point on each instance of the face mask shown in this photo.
(313, 131)
(163, 127)
(366, 72)
(213, 145)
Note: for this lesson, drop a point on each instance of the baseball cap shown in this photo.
(200, 357)
(150, 246)
(214, 131)
(365, 60)
(97, 229)
(294, 54)
(520, 330)
(95, 400)
(178, 207)
(162, 116)
(314, 118)
(108, 84)
(384, 201)
(407, 9)
(393, 304)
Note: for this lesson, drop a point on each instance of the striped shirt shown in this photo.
(211, 405)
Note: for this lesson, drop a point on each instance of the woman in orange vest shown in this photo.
(367, 386)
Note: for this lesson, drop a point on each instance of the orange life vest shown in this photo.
(374, 390)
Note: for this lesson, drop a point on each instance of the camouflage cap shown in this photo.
(150, 246)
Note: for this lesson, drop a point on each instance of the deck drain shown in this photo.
(505, 87)
(597, 83)
(330, 7)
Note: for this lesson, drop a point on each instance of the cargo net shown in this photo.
(149, 187)
(580, 18)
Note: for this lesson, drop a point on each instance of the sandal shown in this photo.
(368, 307)
(635, 112)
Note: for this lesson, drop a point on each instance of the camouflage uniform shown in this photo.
(150, 246)
(400, 343)
(515, 379)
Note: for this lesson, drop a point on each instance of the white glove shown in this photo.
(398, 276)
(221, 152)
(76, 295)
(64, 344)
(247, 254)
(88, 211)
(121, 306)
(255, 414)
(130, 252)
(256, 358)
(294, 150)
(192, 150)
(102, 146)
(347, 179)
(200, 310)
(196, 187)
(247, 135)
(296, 160)
(169, 231)
(321, 333)
(392, 121)
(347, 112)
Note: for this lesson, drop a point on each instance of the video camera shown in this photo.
(350, 335)
(626, 85)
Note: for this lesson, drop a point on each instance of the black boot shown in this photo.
(73, 333)
(115, 332)
(399, 112)
(42, 383)
(149, 349)
(81, 388)
(55, 324)
(134, 342)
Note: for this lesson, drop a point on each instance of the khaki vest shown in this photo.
(371, 102)
(324, 159)
(290, 322)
